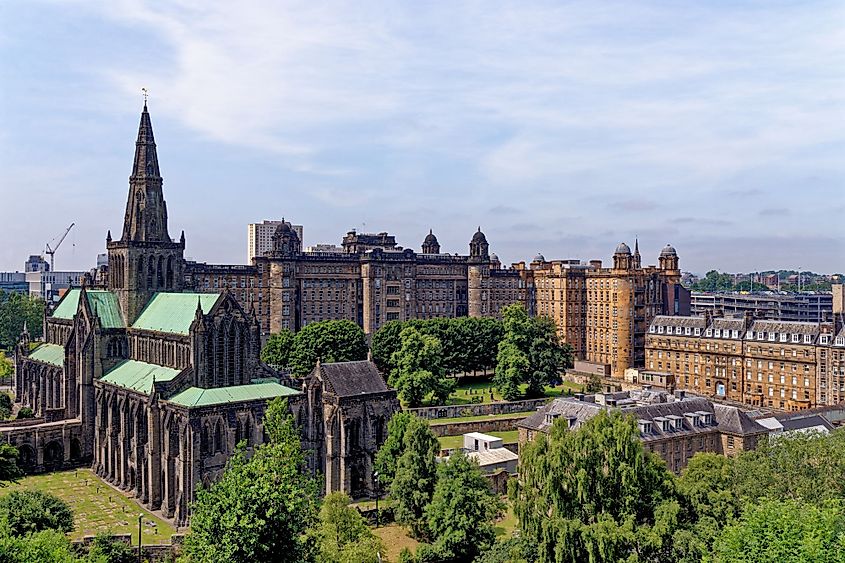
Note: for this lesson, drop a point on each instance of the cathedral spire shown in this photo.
(146, 212)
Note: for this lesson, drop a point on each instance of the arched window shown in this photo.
(220, 357)
(170, 284)
(160, 273)
(151, 266)
(219, 445)
(205, 439)
(231, 352)
(140, 279)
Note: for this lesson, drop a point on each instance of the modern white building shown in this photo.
(260, 237)
(490, 453)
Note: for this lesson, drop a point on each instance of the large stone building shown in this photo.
(785, 365)
(806, 307)
(155, 385)
(675, 427)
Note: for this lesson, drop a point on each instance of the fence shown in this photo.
(456, 411)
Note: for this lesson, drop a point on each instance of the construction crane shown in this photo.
(51, 251)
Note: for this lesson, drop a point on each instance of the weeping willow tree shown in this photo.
(593, 494)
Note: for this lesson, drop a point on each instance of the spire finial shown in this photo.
(146, 94)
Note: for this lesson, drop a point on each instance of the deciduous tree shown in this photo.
(393, 448)
(462, 510)
(343, 535)
(328, 341)
(418, 370)
(594, 494)
(262, 507)
(278, 349)
(416, 476)
(30, 511)
(9, 470)
(15, 310)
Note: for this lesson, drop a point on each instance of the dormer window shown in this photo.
(668, 330)
(772, 336)
(692, 418)
(660, 329)
(717, 334)
(783, 336)
(709, 332)
(761, 335)
(796, 337)
(644, 426)
(750, 335)
(652, 328)
(687, 331)
(808, 339)
(706, 418)
(840, 341)
(823, 339)
(735, 334)
(550, 418)
(697, 331)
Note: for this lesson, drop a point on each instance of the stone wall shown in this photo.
(502, 407)
(491, 425)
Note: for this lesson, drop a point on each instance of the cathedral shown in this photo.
(155, 385)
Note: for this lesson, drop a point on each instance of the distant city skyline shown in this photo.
(559, 129)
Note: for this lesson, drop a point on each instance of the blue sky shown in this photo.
(560, 128)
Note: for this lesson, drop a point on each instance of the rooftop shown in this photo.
(174, 312)
(199, 397)
(52, 354)
(138, 376)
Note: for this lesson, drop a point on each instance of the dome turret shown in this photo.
(623, 248)
(478, 246)
(430, 244)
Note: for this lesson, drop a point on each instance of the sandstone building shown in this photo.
(675, 427)
(786, 365)
(155, 385)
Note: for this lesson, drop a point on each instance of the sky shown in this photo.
(560, 128)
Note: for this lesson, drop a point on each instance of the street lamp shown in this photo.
(376, 477)
(140, 519)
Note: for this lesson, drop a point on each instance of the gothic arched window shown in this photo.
(219, 445)
(151, 266)
(160, 273)
(170, 284)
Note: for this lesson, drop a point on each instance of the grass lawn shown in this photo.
(395, 538)
(517, 415)
(506, 526)
(469, 387)
(449, 442)
(96, 511)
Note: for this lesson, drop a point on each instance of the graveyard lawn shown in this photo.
(97, 507)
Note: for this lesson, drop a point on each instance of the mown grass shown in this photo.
(97, 507)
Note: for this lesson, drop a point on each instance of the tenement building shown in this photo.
(604, 313)
(156, 385)
(675, 427)
(785, 365)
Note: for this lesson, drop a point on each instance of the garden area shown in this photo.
(97, 507)
(478, 390)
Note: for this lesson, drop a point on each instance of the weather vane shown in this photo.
(146, 94)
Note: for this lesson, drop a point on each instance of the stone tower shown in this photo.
(145, 260)
(622, 259)
(478, 271)
(669, 260)
(430, 244)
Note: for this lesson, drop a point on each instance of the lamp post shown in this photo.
(140, 519)
(376, 477)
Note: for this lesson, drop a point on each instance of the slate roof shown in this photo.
(726, 419)
(669, 320)
(52, 354)
(199, 397)
(174, 312)
(350, 379)
(788, 327)
(493, 456)
(805, 423)
(138, 376)
(730, 324)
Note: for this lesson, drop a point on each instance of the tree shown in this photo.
(31, 511)
(25, 412)
(529, 353)
(343, 535)
(5, 406)
(48, 546)
(418, 370)
(393, 448)
(512, 550)
(799, 466)
(262, 507)
(784, 531)
(9, 470)
(328, 341)
(15, 310)
(6, 367)
(594, 494)
(462, 510)
(107, 549)
(277, 351)
(416, 476)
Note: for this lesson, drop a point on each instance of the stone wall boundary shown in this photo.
(482, 409)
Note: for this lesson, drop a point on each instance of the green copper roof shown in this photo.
(199, 397)
(68, 305)
(174, 312)
(49, 354)
(105, 305)
(139, 376)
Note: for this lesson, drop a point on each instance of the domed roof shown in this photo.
(668, 250)
(430, 238)
(494, 258)
(479, 237)
(539, 258)
(623, 249)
